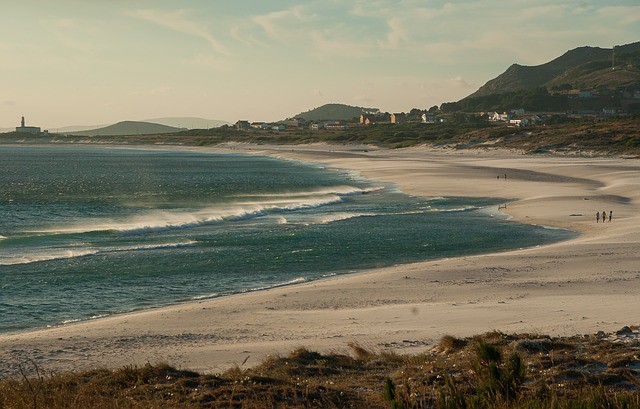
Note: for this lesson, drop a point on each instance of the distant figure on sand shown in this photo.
(597, 217)
(610, 215)
(604, 216)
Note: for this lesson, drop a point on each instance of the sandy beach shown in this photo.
(580, 286)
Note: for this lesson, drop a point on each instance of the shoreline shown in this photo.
(402, 307)
(302, 280)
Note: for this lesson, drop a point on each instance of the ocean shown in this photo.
(87, 232)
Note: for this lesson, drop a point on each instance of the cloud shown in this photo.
(180, 22)
(363, 99)
(460, 82)
(243, 34)
(153, 92)
(397, 35)
(281, 25)
(623, 15)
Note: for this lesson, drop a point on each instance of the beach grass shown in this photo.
(493, 370)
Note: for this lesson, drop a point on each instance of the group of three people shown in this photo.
(604, 216)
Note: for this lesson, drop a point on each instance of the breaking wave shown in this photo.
(46, 256)
(164, 220)
(57, 254)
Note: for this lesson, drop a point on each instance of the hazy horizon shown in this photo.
(70, 63)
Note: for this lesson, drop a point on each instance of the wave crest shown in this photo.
(164, 220)
(61, 254)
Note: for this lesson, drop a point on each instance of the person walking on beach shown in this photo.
(604, 216)
(610, 215)
(597, 217)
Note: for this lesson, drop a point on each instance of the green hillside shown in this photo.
(335, 112)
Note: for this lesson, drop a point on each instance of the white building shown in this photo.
(497, 117)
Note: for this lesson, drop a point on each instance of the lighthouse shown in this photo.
(34, 130)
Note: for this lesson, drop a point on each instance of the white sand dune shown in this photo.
(584, 285)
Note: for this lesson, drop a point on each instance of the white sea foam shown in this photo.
(544, 226)
(301, 251)
(412, 212)
(373, 189)
(335, 190)
(46, 256)
(286, 283)
(336, 217)
(163, 220)
(307, 203)
(457, 209)
(297, 280)
(189, 243)
(60, 254)
(205, 297)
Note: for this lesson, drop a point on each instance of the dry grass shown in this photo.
(614, 137)
(563, 373)
(449, 344)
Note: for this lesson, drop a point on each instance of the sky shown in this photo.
(85, 62)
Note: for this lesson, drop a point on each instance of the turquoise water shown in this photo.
(89, 232)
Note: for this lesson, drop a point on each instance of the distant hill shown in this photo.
(176, 122)
(76, 128)
(583, 67)
(335, 112)
(129, 128)
(189, 122)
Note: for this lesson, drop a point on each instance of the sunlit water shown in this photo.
(89, 232)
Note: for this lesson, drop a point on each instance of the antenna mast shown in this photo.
(613, 58)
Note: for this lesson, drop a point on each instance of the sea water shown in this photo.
(88, 232)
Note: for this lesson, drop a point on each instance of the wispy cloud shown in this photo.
(460, 82)
(243, 33)
(180, 21)
(282, 25)
(397, 34)
(624, 14)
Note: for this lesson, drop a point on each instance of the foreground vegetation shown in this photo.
(493, 370)
(616, 136)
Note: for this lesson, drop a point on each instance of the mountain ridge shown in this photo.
(586, 60)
